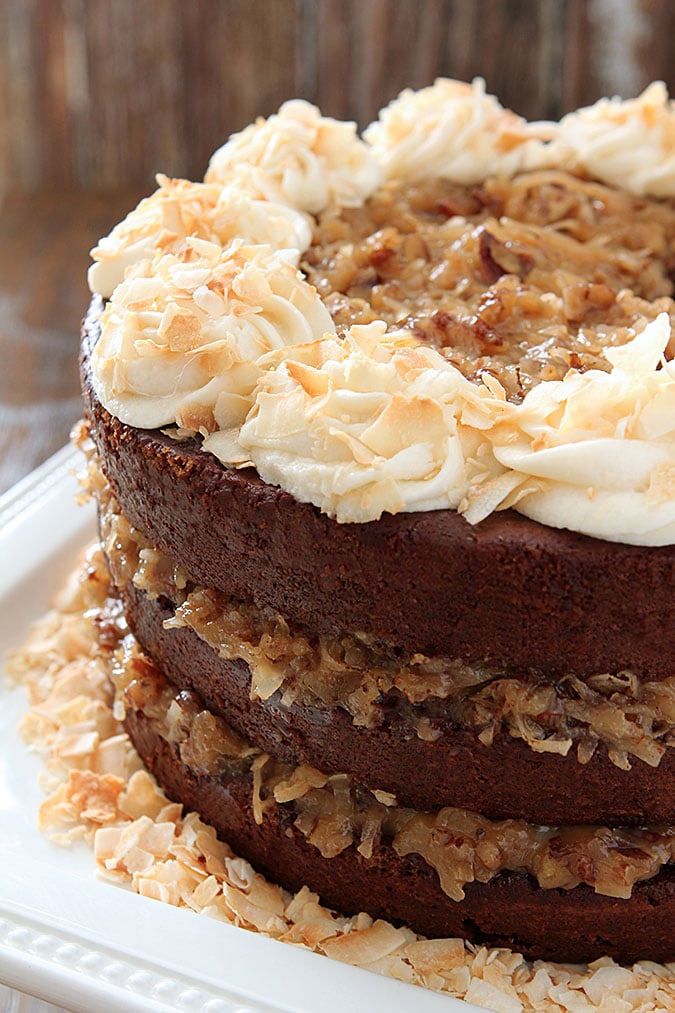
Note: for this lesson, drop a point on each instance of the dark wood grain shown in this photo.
(97, 96)
(44, 244)
(615, 49)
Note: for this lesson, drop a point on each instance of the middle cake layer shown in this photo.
(432, 733)
(437, 872)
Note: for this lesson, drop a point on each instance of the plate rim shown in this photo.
(50, 948)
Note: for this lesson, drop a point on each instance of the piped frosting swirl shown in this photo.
(211, 327)
(182, 335)
(375, 423)
(454, 130)
(178, 209)
(300, 158)
(630, 144)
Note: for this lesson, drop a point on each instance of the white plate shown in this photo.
(90, 945)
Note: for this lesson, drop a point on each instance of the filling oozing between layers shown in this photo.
(551, 293)
(522, 278)
(630, 717)
(333, 813)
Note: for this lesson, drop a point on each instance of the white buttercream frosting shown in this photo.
(371, 423)
(182, 333)
(596, 451)
(211, 327)
(454, 130)
(630, 144)
(377, 423)
(179, 208)
(300, 158)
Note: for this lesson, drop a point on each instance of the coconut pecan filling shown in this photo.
(523, 278)
(435, 695)
(334, 813)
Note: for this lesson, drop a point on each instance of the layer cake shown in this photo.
(336, 419)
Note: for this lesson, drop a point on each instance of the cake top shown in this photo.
(459, 311)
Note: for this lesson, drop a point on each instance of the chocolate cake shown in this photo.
(362, 644)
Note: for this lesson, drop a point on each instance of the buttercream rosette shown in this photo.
(211, 327)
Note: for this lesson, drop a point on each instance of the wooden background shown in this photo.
(98, 95)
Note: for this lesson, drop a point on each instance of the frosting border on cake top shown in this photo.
(212, 328)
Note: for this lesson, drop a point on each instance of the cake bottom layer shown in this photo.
(573, 925)
(67, 661)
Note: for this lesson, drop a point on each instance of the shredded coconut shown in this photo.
(142, 839)
(182, 346)
(300, 158)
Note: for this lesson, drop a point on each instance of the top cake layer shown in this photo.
(212, 328)
(507, 591)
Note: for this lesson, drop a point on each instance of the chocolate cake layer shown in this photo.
(532, 601)
(507, 591)
(572, 925)
(503, 780)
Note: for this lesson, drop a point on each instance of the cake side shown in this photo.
(510, 911)
(342, 835)
(185, 864)
(386, 489)
(502, 779)
(510, 591)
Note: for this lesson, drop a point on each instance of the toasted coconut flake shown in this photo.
(484, 994)
(367, 945)
(154, 890)
(179, 860)
(142, 797)
(310, 922)
(428, 955)
(302, 780)
(240, 873)
(385, 797)
(606, 979)
(205, 893)
(86, 797)
(258, 804)
(117, 756)
(246, 912)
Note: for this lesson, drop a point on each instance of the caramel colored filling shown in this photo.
(629, 717)
(333, 813)
(97, 790)
(522, 278)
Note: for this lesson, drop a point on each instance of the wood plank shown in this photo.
(510, 43)
(655, 51)
(44, 244)
(612, 49)
(95, 94)
(238, 61)
(20, 134)
(334, 47)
